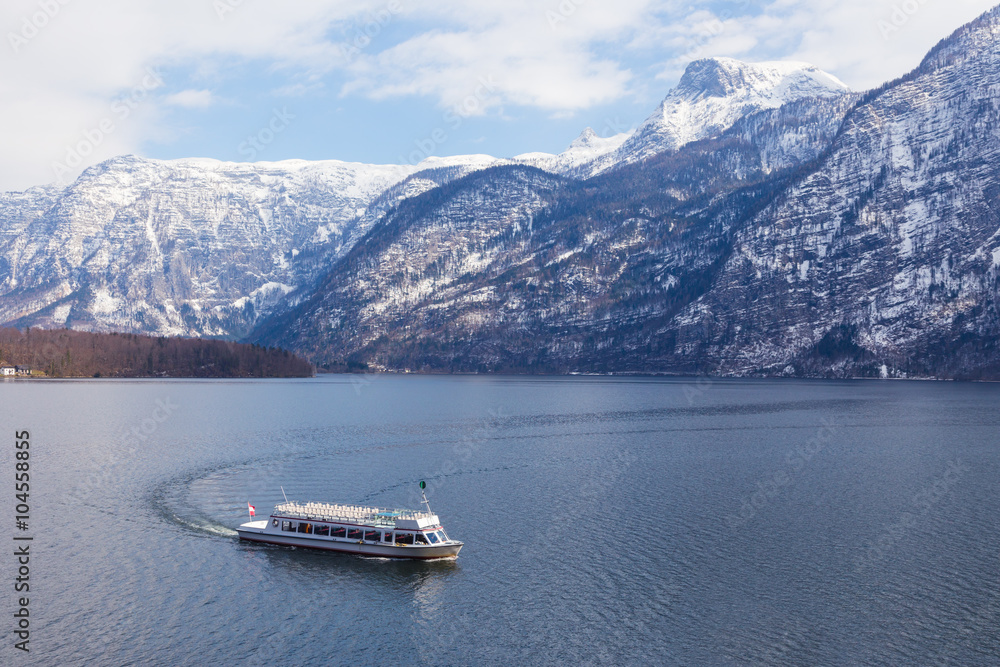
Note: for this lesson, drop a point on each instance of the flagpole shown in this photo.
(423, 485)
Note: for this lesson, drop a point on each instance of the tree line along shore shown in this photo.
(64, 353)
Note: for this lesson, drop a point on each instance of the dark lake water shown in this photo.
(606, 521)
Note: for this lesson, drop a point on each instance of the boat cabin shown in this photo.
(367, 533)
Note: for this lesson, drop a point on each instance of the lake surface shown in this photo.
(606, 521)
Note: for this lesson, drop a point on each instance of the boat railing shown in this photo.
(348, 513)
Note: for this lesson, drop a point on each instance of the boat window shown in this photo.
(354, 533)
(387, 536)
(420, 538)
(288, 526)
(432, 537)
(323, 530)
(371, 536)
(339, 531)
(441, 534)
(305, 527)
(404, 538)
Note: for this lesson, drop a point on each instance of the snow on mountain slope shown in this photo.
(584, 150)
(711, 96)
(885, 255)
(204, 247)
(514, 268)
(190, 246)
(837, 235)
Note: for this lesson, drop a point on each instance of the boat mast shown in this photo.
(423, 485)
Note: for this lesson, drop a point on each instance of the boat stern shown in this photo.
(252, 527)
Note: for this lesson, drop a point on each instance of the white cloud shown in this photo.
(64, 74)
(68, 69)
(538, 54)
(863, 42)
(191, 99)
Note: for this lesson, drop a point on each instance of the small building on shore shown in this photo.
(23, 371)
(7, 371)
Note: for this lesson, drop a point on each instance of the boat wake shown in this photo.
(205, 527)
(211, 501)
(178, 501)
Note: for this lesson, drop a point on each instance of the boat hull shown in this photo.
(253, 533)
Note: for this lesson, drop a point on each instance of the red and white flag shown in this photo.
(253, 510)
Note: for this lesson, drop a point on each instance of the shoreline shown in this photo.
(622, 375)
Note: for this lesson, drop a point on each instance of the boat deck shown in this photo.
(358, 514)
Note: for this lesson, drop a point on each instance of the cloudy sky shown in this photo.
(392, 81)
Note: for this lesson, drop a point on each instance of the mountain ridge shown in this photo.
(197, 246)
(850, 235)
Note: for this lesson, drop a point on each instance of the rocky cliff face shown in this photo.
(713, 94)
(884, 258)
(186, 246)
(201, 247)
(834, 235)
(513, 268)
(763, 221)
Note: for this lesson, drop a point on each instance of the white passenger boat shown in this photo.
(356, 529)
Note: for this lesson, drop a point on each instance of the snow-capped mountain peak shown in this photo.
(776, 82)
(587, 139)
(192, 246)
(589, 143)
(714, 93)
(586, 149)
